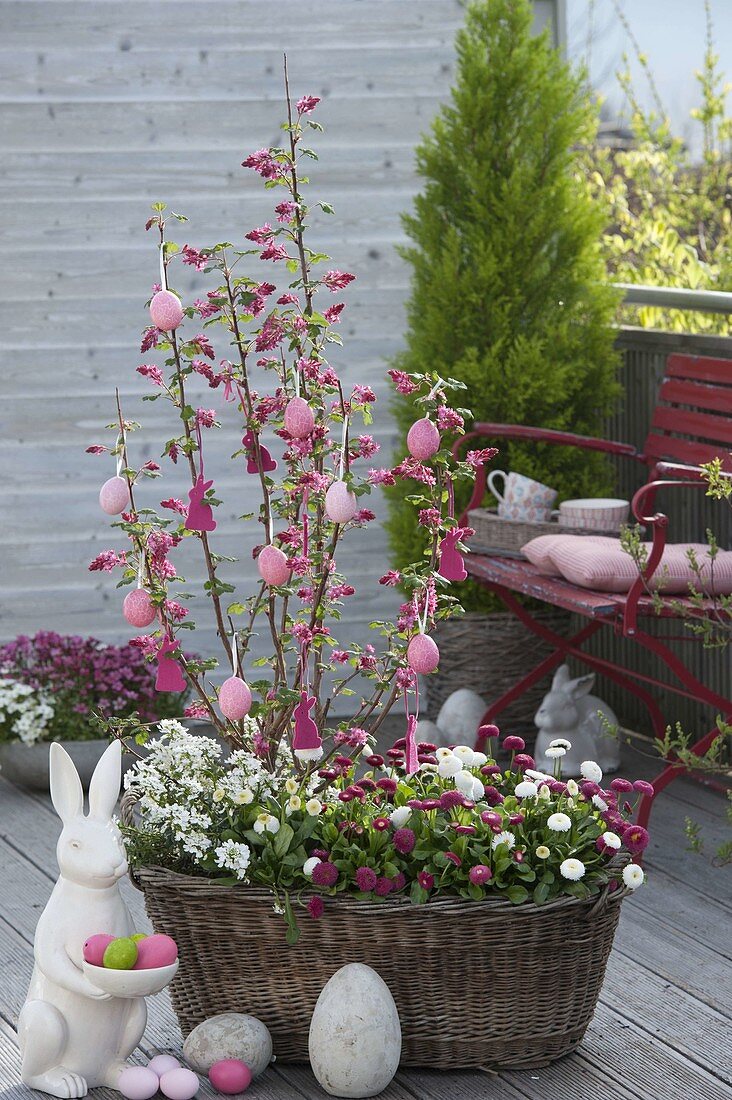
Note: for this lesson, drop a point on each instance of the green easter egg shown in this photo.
(138, 936)
(120, 954)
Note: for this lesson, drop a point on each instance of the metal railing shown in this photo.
(663, 297)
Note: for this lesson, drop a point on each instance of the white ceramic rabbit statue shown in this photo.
(72, 1035)
(569, 711)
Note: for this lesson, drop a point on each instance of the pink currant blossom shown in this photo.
(193, 257)
(97, 449)
(206, 417)
(150, 339)
(410, 467)
(260, 235)
(195, 710)
(430, 517)
(264, 163)
(477, 458)
(307, 103)
(340, 656)
(448, 420)
(363, 395)
(271, 334)
(333, 313)
(402, 381)
(381, 477)
(274, 252)
(337, 280)
(202, 345)
(151, 371)
(107, 561)
(288, 299)
(285, 211)
(367, 446)
(390, 579)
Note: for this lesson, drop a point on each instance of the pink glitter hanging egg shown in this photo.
(340, 503)
(138, 608)
(166, 311)
(272, 565)
(235, 698)
(423, 439)
(422, 654)
(299, 418)
(114, 496)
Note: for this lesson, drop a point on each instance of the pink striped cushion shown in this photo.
(601, 563)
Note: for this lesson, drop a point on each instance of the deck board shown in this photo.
(662, 1027)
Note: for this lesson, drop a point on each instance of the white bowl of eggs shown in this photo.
(130, 966)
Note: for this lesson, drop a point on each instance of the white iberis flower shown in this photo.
(233, 856)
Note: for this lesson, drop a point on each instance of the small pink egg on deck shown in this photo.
(230, 1076)
(179, 1084)
(161, 1063)
(138, 1083)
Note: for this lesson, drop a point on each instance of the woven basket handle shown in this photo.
(599, 906)
(127, 813)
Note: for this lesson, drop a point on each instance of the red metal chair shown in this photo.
(691, 424)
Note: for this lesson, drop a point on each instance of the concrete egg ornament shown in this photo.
(229, 1035)
(423, 439)
(355, 1039)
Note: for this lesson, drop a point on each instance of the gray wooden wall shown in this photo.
(108, 106)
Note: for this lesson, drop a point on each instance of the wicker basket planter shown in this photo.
(476, 983)
(489, 654)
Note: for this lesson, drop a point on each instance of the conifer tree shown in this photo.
(509, 292)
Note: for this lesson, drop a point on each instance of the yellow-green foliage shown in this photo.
(508, 289)
(670, 222)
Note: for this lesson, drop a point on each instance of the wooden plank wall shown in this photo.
(108, 105)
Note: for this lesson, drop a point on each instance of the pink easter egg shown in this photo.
(230, 1076)
(235, 698)
(423, 439)
(340, 503)
(138, 608)
(422, 654)
(155, 951)
(272, 565)
(166, 311)
(95, 947)
(138, 1083)
(299, 418)
(179, 1084)
(114, 496)
(161, 1063)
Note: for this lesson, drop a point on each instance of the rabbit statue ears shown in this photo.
(67, 793)
(574, 688)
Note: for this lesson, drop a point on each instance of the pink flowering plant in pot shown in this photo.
(300, 801)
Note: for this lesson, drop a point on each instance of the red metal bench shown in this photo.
(691, 424)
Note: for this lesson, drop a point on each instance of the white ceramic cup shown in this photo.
(594, 513)
(522, 498)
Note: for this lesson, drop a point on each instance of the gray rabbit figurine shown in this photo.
(569, 711)
(73, 1036)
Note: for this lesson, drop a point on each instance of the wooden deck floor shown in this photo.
(662, 1028)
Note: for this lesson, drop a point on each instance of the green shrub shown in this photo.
(508, 285)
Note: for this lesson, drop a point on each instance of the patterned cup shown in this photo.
(522, 498)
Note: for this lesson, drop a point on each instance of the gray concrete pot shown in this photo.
(27, 765)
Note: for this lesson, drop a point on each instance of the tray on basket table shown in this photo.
(496, 535)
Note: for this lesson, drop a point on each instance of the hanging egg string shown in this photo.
(341, 504)
(423, 656)
(411, 761)
(163, 271)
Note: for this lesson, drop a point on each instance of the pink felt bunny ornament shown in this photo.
(72, 1035)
